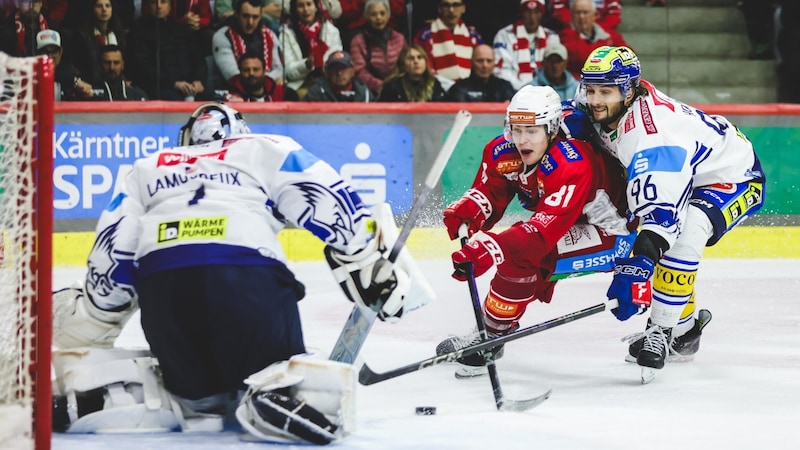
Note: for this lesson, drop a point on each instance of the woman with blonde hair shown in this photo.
(412, 79)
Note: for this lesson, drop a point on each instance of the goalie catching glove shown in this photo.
(369, 279)
(77, 322)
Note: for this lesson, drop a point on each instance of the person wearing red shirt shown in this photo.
(584, 35)
(576, 195)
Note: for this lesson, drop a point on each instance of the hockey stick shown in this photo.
(360, 321)
(502, 403)
(367, 376)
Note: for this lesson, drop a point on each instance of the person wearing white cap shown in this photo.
(68, 84)
(519, 47)
(554, 72)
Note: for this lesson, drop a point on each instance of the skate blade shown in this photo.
(673, 358)
(648, 374)
(467, 372)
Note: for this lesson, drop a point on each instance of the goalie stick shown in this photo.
(367, 376)
(502, 403)
(360, 321)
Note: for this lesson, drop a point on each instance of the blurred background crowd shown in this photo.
(345, 50)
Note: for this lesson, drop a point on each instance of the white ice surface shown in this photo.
(741, 392)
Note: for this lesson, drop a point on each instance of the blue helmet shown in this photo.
(612, 66)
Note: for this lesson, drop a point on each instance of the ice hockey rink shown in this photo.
(741, 392)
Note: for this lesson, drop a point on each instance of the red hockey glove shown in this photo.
(482, 253)
(472, 209)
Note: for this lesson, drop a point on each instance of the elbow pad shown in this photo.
(650, 245)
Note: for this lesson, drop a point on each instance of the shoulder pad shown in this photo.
(500, 146)
(569, 150)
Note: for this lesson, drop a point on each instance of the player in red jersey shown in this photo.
(578, 225)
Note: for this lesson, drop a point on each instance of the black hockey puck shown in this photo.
(425, 410)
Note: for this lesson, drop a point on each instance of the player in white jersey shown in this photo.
(191, 240)
(691, 178)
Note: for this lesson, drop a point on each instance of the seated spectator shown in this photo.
(412, 79)
(482, 85)
(253, 84)
(608, 13)
(19, 28)
(76, 13)
(329, 9)
(584, 35)
(68, 84)
(448, 41)
(100, 27)
(112, 85)
(354, 18)
(339, 83)
(554, 72)
(376, 47)
(520, 46)
(196, 14)
(307, 40)
(165, 59)
(246, 33)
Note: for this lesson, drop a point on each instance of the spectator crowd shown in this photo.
(319, 50)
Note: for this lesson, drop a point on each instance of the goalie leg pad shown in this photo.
(110, 390)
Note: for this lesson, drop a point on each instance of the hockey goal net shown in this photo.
(26, 228)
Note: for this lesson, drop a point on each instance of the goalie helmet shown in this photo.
(212, 122)
(612, 66)
(534, 105)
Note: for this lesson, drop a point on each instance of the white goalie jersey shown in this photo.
(668, 149)
(219, 203)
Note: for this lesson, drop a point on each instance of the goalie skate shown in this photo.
(682, 348)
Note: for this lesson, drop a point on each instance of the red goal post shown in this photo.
(26, 231)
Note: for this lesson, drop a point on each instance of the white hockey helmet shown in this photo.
(212, 122)
(534, 105)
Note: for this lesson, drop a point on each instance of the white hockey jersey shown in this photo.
(219, 203)
(668, 149)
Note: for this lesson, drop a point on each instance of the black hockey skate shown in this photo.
(682, 348)
(655, 346)
(472, 365)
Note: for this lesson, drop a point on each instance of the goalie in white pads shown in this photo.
(191, 240)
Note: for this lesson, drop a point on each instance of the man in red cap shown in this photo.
(519, 47)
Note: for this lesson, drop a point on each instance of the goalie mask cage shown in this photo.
(26, 230)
